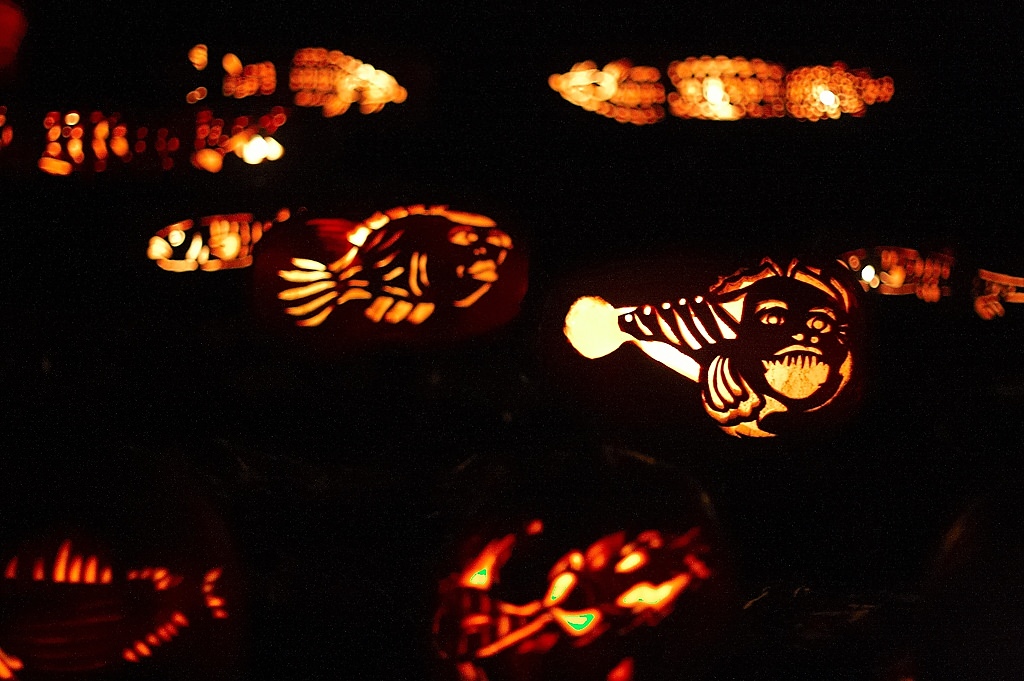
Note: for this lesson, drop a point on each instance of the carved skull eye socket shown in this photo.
(772, 317)
(819, 324)
(461, 236)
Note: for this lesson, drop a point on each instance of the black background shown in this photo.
(343, 483)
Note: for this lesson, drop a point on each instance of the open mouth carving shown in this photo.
(796, 374)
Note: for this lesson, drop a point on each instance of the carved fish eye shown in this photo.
(461, 236)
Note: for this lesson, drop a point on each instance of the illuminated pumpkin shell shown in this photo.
(574, 568)
(601, 608)
(96, 582)
(409, 274)
(773, 347)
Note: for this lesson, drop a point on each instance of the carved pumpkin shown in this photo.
(97, 577)
(768, 345)
(219, 242)
(993, 290)
(893, 271)
(566, 567)
(615, 585)
(409, 274)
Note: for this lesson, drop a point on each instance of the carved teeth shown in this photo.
(792, 362)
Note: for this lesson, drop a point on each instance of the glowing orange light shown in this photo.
(626, 93)
(335, 81)
(470, 630)
(993, 290)
(817, 92)
(199, 56)
(808, 368)
(894, 271)
(480, 573)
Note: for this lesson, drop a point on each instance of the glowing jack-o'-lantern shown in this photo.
(114, 568)
(592, 600)
(417, 271)
(627, 93)
(993, 290)
(892, 271)
(771, 341)
(220, 242)
(726, 89)
(74, 612)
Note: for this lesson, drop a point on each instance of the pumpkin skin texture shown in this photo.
(103, 580)
(410, 275)
(771, 346)
(596, 583)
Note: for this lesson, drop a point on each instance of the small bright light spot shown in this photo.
(209, 160)
(232, 64)
(274, 149)
(828, 98)
(72, 118)
(255, 150)
(199, 57)
(176, 237)
(868, 273)
(714, 91)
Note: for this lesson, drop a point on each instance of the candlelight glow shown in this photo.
(817, 92)
(119, 611)
(626, 93)
(993, 290)
(768, 340)
(335, 81)
(219, 242)
(474, 628)
(895, 271)
(723, 89)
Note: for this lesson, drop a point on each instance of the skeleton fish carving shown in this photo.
(73, 613)
(765, 341)
(396, 261)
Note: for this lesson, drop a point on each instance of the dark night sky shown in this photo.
(102, 352)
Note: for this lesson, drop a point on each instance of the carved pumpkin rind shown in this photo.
(599, 602)
(409, 275)
(769, 345)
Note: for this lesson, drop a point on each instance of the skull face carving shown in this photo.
(795, 347)
(763, 341)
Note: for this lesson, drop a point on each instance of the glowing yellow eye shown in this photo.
(771, 318)
(819, 324)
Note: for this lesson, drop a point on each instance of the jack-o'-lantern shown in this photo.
(993, 290)
(417, 273)
(768, 345)
(219, 242)
(596, 570)
(893, 271)
(101, 581)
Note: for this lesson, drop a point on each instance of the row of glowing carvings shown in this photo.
(400, 266)
(329, 80)
(722, 89)
(148, 607)
(708, 88)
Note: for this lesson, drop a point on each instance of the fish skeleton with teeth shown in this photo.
(405, 263)
(765, 341)
(73, 613)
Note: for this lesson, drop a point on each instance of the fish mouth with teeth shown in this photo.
(797, 373)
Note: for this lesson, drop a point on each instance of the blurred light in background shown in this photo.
(627, 93)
